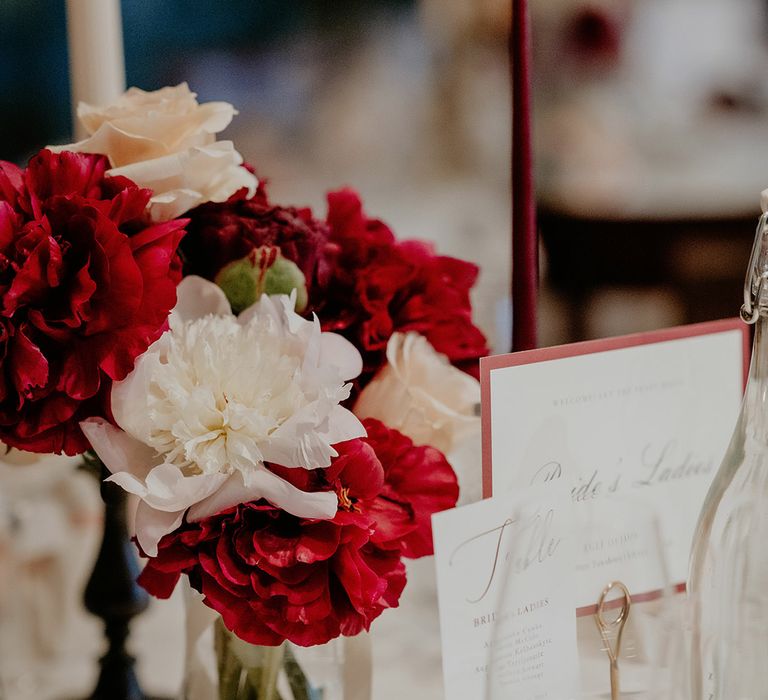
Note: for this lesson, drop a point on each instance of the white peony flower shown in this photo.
(217, 396)
(166, 141)
(422, 395)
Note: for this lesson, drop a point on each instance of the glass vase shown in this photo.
(219, 665)
(728, 583)
(287, 672)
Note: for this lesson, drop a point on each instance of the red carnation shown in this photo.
(380, 286)
(273, 576)
(86, 287)
(419, 481)
(218, 234)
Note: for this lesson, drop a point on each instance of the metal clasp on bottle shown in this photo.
(757, 274)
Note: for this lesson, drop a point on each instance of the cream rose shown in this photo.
(166, 141)
(422, 395)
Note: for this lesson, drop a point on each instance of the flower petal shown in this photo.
(197, 297)
(265, 484)
(213, 172)
(343, 425)
(128, 482)
(117, 450)
(152, 525)
(168, 489)
(131, 393)
(337, 351)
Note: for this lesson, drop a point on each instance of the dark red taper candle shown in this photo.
(525, 249)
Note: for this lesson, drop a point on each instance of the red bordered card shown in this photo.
(634, 424)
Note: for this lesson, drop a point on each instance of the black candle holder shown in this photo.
(113, 595)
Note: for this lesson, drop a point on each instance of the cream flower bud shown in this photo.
(422, 395)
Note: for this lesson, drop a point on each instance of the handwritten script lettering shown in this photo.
(655, 466)
(550, 471)
(666, 464)
(519, 544)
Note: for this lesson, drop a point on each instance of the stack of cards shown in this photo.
(598, 456)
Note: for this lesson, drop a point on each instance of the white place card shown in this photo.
(507, 620)
(636, 427)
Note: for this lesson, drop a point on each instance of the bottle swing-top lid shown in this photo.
(755, 281)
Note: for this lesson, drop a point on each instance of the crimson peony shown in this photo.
(273, 576)
(222, 233)
(86, 287)
(380, 286)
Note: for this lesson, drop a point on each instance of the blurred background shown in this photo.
(651, 128)
(405, 100)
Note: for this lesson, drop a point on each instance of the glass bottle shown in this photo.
(728, 583)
